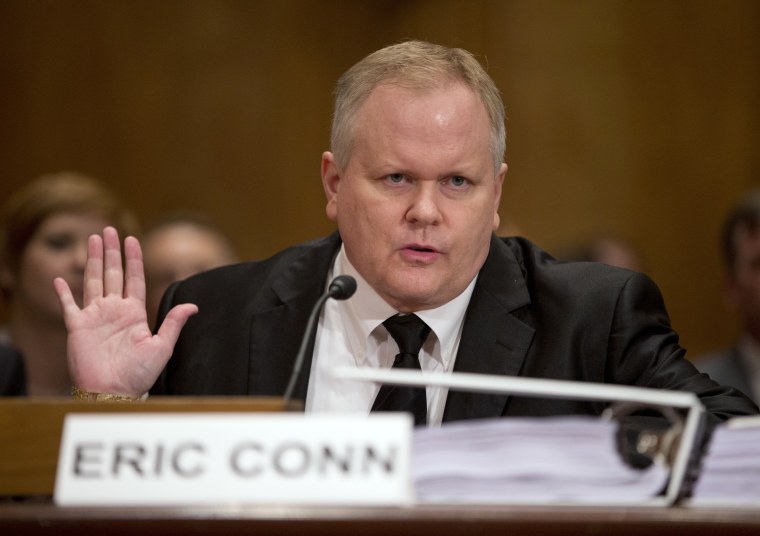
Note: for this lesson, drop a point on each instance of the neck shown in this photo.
(41, 339)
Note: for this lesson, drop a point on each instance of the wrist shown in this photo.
(81, 394)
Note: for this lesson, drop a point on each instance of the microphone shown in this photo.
(340, 288)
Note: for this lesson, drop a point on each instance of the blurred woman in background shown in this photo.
(44, 228)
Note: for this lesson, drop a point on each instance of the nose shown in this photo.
(425, 209)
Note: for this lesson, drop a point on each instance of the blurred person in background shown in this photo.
(739, 365)
(178, 245)
(44, 229)
(607, 249)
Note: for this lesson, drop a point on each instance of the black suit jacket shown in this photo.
(12, 372)
(529, 315)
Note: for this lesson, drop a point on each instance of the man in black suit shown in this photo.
(413, 182)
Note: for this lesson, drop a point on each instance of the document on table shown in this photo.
(730, 473)
(529, 461)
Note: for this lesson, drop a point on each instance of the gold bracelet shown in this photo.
(79, 394)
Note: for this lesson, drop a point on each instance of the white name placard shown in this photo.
(165, 459)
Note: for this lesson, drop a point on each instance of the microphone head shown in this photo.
(342, 287)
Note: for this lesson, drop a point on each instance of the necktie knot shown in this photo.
(409, 332)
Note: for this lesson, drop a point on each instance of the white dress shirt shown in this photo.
(350, 333)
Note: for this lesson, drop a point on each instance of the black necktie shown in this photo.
(409, 332)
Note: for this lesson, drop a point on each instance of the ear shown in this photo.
(498, 183)
(331, 184)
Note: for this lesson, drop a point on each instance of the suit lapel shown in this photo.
(279, 317)
(494, 339)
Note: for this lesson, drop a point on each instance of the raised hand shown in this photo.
(110, 345)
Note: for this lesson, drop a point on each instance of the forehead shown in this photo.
(391, 100)
(72, 221)
(183, 240)
(402, 116)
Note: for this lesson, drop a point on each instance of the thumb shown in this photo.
(174, 322)
(66, 300)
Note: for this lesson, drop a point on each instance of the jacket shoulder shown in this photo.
(573, 279)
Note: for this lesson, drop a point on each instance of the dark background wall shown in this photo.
(635, 118)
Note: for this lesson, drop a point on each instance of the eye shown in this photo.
(396, 178)
(457, 181)
(59, 242)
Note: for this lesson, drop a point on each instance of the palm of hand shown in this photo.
(110, 346)
(116, 345)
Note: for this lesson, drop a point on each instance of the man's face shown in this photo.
(744, 281)
(417, 202)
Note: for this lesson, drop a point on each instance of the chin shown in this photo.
(414, 299)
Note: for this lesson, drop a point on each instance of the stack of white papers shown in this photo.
(730, 474)
(529, 461)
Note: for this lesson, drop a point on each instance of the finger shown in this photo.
(113, 275)
(174, 322)
(69, 305)
(93, 270)
(135, 272)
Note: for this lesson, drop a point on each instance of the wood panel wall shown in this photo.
(634, 118)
